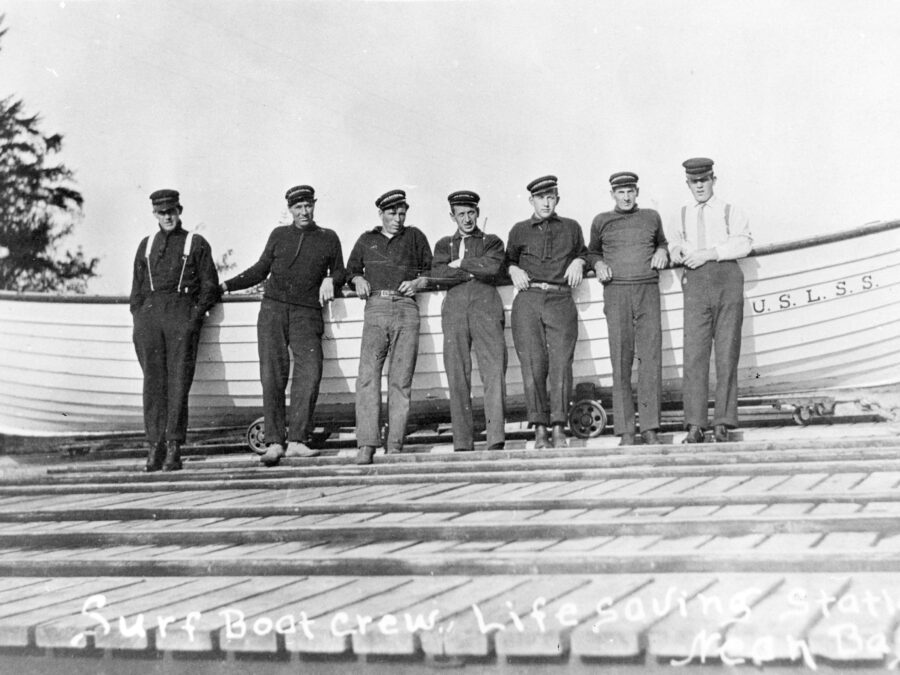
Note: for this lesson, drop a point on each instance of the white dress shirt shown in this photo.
(709, 229)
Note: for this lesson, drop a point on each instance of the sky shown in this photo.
(232, 102)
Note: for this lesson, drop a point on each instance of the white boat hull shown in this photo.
(820, 316)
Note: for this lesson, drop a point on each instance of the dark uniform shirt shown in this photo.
(199, 281)
(295, 261)
(484, 258)
(544, 248)
(386, 262)
(626, 241)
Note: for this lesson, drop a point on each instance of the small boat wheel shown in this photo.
(587, 418)
(802, 415)
(256, 436)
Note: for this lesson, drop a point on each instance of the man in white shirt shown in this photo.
(711, 237)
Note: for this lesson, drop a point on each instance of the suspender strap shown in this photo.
(727, 221)
(184, 256)
(683, 226)
(727, 224)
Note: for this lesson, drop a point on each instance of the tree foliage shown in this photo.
(39, 208)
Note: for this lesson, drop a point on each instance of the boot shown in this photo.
(274, 453)
(540, 437)
(300, 449)
(559, 436)
(650, 437)
(694, 435)
(720, 433)
(365, 455)
(173, 456)
(155, 456)
(627, 438)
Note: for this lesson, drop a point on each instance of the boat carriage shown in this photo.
(821, 318)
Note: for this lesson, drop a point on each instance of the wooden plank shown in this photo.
(18, 619)
(546, 629)
(364, 614)
(680, 485)
(708, 613)
(834, 509)
(848, 541)
(841, 481)
(878, 481)
(731, 544)
(785, 543)
(579, 545)
(859, 625)
(718, 485)
(526, 546)
(782, 619)
(618, 626)
(757, 484)
(472, 633)
(236, 624)
(73, 629)
(424, 617)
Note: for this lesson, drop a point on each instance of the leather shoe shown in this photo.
(299, 449)
(173, 456)
(627, 439)
(720, 433)
(497, 446)
(273, 454)
(694, 435)
(365, 455)
(559, 436)
(540, 437)
(650, 437)
(463, 449)
(155, 457)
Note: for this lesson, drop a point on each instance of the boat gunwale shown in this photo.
(767, 249)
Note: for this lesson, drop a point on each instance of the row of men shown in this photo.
(175, 284)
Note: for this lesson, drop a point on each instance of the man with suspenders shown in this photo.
(710, 236)
(173, 286)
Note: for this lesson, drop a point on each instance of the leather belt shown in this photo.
(543, 286)
(386, 294)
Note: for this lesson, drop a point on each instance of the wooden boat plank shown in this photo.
(711, 610)
(392, 601)
(155, 593)
(694, 511)
(395, 517)
(272, 603)
(740, 510)
(841, 481)
(427, 613)
(378, 548)
(778, 615)
(795, 509)
(859, 626)
(18, 620)
(468, 638)
(612, 486)
(675, 545)
(595, 515)
(548, 490)
(422, 548)
(25, 584)
(881, 507)
(510, 517)
(680, 485)
(619, 627)
(628, 544)
(550, 637)
(475, 546)
(719, 485)
(415, 493)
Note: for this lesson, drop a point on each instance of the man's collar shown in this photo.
(633, 209)
(168, 233)
(475, 233)
(708, 202)
(380, 230)
(309, 228)
(537, 220)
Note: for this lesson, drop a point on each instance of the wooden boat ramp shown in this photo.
(779, 550)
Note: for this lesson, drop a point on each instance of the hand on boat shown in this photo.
(520, 278)
(660, 259)
(700, 257)
(412, 286)
(575, 272)
(361, 286)
(326, 291)
(603, 271)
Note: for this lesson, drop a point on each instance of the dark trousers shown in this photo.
(390, 330)
(165, 340)
(472, 317)
(713, 315)
(634, 325)
(545, 328)
(283, 330)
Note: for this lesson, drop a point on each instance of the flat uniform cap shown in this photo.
(463, 198)
(300, 193)
(623, 179)
(163, 200)
(698, 167)
(542, 184)
(391, 199)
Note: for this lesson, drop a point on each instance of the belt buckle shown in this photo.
(544, 286)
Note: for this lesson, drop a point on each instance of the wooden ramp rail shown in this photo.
(775, 552)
